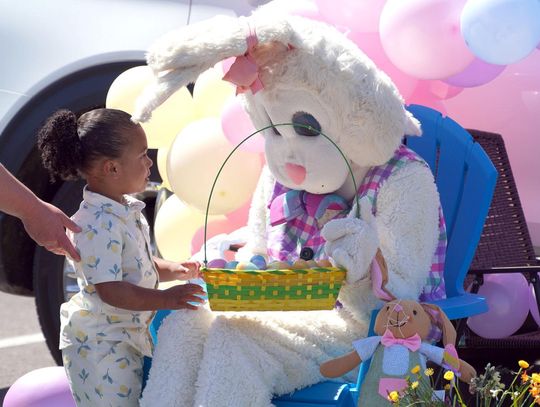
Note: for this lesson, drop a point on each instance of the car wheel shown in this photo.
(53, 282)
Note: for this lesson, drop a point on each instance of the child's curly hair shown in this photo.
(69, 145)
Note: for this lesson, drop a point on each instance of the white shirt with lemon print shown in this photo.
(114, 246)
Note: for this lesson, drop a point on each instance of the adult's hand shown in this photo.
(45, 224)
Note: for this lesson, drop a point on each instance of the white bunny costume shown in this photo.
(305, 72)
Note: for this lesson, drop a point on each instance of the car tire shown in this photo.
(48, 272)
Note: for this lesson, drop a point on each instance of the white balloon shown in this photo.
(174, 227)
(193, 162)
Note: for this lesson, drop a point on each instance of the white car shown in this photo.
(65, 54)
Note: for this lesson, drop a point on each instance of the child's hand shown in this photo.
(177, 297)
(188, 270)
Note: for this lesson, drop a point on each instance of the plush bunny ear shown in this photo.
(439, 318)
(179, 57)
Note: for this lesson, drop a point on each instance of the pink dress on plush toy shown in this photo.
(296, 220)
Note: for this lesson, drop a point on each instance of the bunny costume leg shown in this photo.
(172, 379)
(243, 359)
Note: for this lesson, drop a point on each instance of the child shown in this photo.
(104, 327)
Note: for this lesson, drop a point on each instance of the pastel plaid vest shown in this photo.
(286, 240)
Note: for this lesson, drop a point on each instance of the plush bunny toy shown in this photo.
(291, 69)
(403, 327)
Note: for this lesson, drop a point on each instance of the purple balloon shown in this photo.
(476, 74)
(533, 306)
(507, 296)
(46, 387)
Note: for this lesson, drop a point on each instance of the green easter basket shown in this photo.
(314, 288)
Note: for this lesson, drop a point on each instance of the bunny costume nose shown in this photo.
(296, 173)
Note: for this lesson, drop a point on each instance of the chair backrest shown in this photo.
(505, 240)
(465, 178)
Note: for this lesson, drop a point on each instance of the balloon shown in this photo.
(422, 37)
(476, 74)
(162, 154)
(355, 15)
(46, 387)
(175, 226)
(371, 45)
(533, 306)
(509, 105)
(195, 157)
(167, 120)
(211, 92)
(214, 228)
(508, 301)
(236, 126)
(501, 31)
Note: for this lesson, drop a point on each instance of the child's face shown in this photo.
(134, 164)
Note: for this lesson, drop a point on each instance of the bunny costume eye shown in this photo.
(306, 119)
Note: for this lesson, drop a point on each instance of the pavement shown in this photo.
(22, 346)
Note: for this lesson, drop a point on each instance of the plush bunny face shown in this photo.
(404, 318)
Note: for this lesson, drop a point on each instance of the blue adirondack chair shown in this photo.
(466, 180)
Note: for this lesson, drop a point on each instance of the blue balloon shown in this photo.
(501, 31)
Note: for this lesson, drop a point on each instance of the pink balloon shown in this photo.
(46, 387)
(476, 74)
(239, 217)
(533, 306)
(423, 38)
(510, 105)
(508, 301)
(371, 45)
(355, 15)
(214, 228)
(423, 95)
(237, 125)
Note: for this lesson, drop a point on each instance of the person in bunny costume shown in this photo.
(291, 69)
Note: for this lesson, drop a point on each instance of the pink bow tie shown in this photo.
(412, 342)
(244, 72)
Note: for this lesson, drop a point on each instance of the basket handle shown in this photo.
(255, 133)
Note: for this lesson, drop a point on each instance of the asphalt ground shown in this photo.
(22, 346)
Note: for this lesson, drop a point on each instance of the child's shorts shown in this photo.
(104, 374)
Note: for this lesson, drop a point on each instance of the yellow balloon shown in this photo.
(211, 92)
(162, 154)
(194, 160)
(167, 120)
(174, 227)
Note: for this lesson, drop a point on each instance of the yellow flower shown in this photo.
(524, 377)
(393, 396)
(449, 375)
(428, 372)
(414, 385)
(535, 378)
(523, 364)
(415, 369)
(122, 365)
(447, 387)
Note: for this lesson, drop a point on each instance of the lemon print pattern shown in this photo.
(103, 346)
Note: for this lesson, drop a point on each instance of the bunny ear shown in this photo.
(439, 318)
(179, 57)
